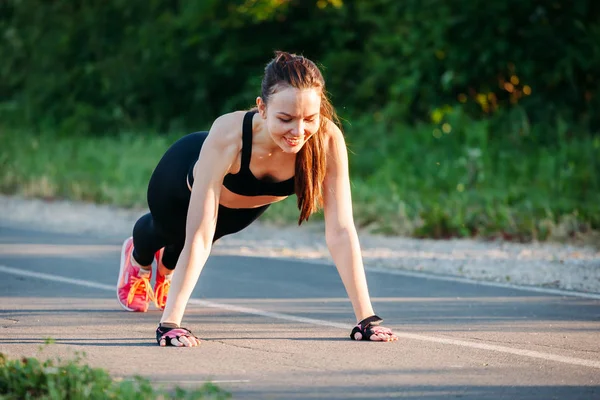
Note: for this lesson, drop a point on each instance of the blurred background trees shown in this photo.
(462, 117)
(99, 66)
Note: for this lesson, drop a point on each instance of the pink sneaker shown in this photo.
(133, 288)
(162, 284)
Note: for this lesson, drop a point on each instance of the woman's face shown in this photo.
(292, 116)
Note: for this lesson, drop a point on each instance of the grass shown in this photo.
(30, 378)
(456, 179)
(464, 180)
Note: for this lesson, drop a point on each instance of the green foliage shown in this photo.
(467, 117)
(95, 169)
(120, 64)
(458, 180)
(30, 378)
(450, 180)
(176, 65)
(490, 55)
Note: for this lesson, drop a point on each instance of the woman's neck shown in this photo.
(263, 139)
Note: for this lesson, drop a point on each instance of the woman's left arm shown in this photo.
(340, 231)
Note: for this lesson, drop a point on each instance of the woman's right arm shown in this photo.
(218, 153)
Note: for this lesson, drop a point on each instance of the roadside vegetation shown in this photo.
(448, 180)
(467, 118)
(33, 379)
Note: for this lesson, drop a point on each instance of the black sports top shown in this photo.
(244, 182)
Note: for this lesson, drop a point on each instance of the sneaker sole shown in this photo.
(121, 268)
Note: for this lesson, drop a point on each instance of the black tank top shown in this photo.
(244, 182)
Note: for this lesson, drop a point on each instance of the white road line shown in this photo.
(56, 278)
(269, 314)
(406, 335)
(537, 289)
(311, 321)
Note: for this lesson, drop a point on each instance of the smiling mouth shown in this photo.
(293, 142)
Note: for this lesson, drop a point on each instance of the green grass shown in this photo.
(30, 378)
(457, 180)
(469, 182)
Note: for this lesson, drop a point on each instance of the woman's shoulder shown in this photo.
(229, 122)
(332, 133)
(227, 129)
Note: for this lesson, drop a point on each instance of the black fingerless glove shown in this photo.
(169, 331)
(363, 331)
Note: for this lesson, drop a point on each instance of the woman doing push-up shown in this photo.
(211, 184)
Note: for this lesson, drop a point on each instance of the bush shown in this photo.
(29, 378)
(113, 65)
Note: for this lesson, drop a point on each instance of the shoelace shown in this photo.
(140, 286)
(160, 296)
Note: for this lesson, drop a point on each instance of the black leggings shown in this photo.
(168, 200)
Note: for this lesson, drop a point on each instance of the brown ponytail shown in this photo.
(297, 71)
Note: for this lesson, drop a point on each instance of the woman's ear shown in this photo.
(262, 107)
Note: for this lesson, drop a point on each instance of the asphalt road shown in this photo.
(278, 329)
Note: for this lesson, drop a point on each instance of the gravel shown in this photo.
(548, 265)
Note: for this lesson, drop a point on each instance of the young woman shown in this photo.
(211, 184)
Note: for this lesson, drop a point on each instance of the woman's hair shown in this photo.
(291, 70)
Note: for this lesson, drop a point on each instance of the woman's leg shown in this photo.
(169, 195)
(171, 255)
(147, 240)
(228, 221)
(166, 262)
(232, 220)
(134, 290)
(168, 199)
